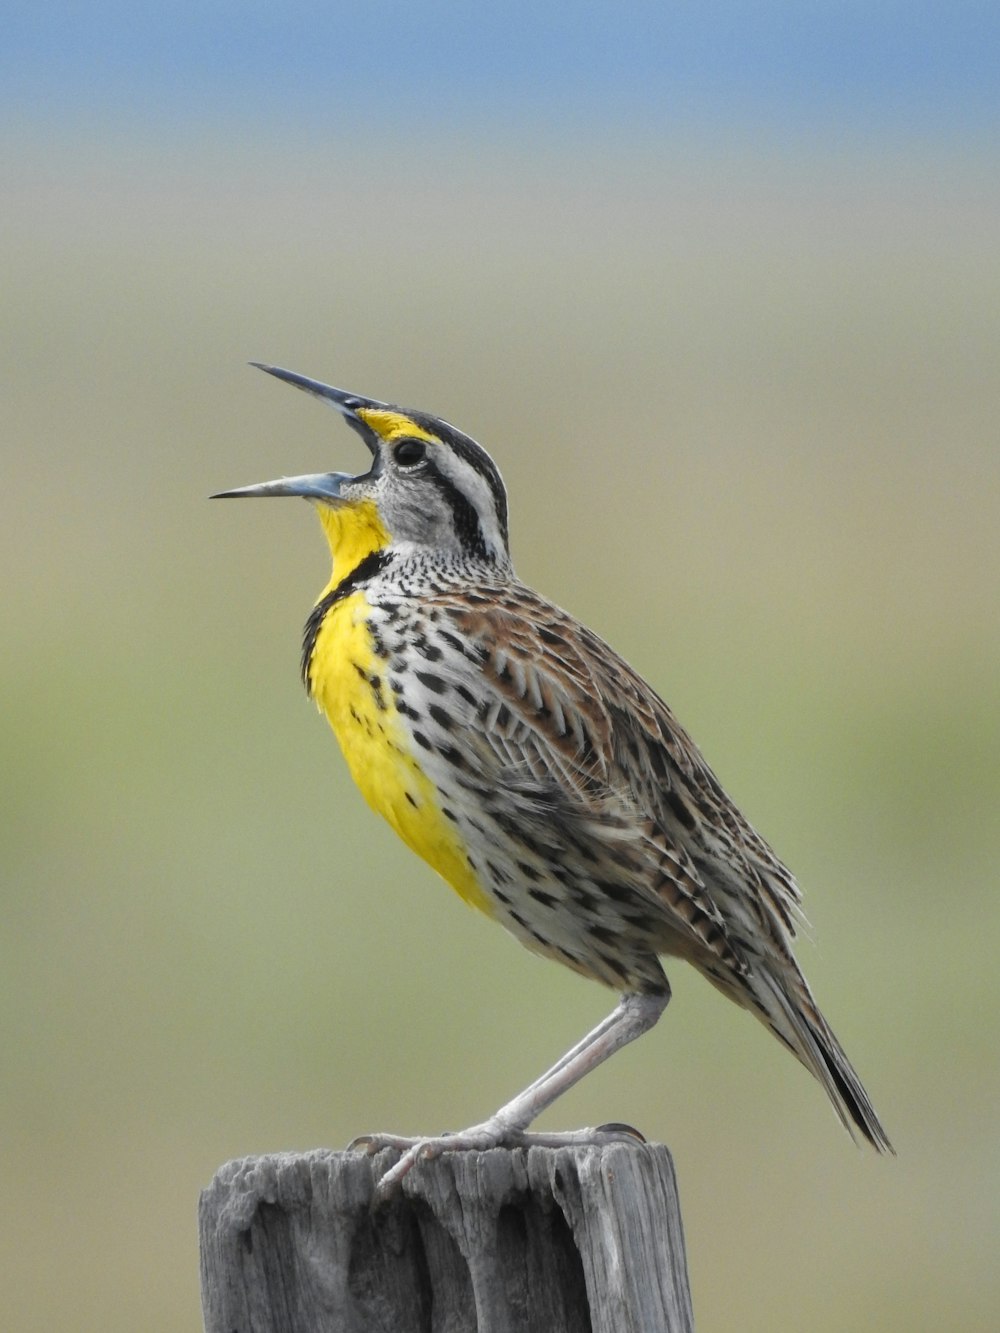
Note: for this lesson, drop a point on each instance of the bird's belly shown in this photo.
(349, 682)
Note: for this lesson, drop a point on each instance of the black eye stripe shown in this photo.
(468, 529)
(471, 453)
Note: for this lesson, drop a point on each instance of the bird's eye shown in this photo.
(409, 453)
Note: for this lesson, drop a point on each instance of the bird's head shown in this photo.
(429, 486)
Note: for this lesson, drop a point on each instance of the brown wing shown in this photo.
(567, 706)
(668, 775)
(567, 701)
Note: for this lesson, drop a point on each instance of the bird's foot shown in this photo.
(478, 1138)
(493, 1133)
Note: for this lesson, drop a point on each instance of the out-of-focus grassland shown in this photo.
(747, 412)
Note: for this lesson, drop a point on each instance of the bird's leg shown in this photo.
(584, 1043)
(634, 1015)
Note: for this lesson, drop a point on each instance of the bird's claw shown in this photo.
(616, 1128)
(371, 1144)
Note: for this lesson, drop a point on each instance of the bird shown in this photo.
(530, 766)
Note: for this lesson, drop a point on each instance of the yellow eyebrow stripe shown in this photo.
(393, 425)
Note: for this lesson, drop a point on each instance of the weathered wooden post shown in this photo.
(558, 1240)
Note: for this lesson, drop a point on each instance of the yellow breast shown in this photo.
(347, 680)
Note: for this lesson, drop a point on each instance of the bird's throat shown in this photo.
(354, 532)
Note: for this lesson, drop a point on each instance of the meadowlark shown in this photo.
(532, 768)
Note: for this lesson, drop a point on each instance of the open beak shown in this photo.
(314, 485)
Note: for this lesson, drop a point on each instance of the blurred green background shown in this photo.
(727, 314)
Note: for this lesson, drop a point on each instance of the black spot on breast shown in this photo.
(542, 898)
(583, 899)
(433, 683)
(374, 681)
(378, 643)
(584, 849)
(507, 824)
(602, 933)
(441, 716)
(618, 893)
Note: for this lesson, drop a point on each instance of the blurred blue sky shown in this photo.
(909, 67)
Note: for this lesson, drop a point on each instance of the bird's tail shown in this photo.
(784, 1002)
